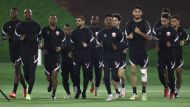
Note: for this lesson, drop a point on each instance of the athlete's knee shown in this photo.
(144, 75)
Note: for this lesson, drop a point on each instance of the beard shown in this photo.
(53, 24)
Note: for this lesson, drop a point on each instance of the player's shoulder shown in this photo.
(129, 22)
(146, 22)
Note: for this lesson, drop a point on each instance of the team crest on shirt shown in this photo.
(9, 26)
(57, 33)
(105, 35)
(113, 34)
(168, 34)
(96, 33)
(47, 32)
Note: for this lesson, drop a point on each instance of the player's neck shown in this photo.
(14, 19)
(81, 27)
(53, 27)
(138, 20)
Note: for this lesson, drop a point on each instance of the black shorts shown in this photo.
(178, 60)
(138, 59)
(123, 62)
(14, 52)
(51, 63)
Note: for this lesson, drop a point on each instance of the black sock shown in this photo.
(143, 89)
(53, 91)
(15, 87)
(135, 90)
(123, 85)
(117, 91)
(23, 82)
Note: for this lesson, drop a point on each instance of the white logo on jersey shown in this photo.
(57, 33)
(47, 32)
(9, 26)
(168, 33)
(113, 34)
(105, 35)
(96, 33)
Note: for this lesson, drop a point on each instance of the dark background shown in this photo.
(152, 8)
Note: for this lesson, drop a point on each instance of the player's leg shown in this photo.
(144, 75)
(133, 62)
(77, 66)
(48, 73)
(20, 76)
(171, 77)
(98, 76)
(115, 78)
(55, 66)
(87, 68)
(32, 71)
(178, 72)
(65, 79)
(162, 74)
(121, 74)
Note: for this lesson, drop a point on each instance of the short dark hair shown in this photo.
(165, 16)
(175, 17)
(107, 15)
(80, 16)
(117, 15)
(167, 10)
(67, 25)
(14, 8)
(138, 7)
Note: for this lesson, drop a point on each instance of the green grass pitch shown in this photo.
(40, 96)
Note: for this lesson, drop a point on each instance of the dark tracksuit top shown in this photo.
(52, 39)
(179, 49)
(8, 32)
(29, 49)
(137, 45)
(82, 55)
(166, 55)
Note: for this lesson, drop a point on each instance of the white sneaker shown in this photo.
(144, 97)
(68, 96)
(133, 97)
(28, 97)
(110, 98)
(116, 96)
(122, 93)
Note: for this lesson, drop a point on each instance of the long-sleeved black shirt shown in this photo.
(8, 30)
(67, 46)
(32, 31)
(137, 43)
(52, 38)
(165, 35)
(82, 35)
(108, 37)
(182, 36)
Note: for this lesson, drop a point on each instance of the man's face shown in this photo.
(66, 30)
(13, 13)
(28, 14)
(115, 22)
(108, 21)
(137, 13)
(94, 20)
(79, 22)
(174, 22)
(165, 22)
(53, 20)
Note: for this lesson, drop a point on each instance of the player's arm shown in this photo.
(185, 38)
(174, 42)
(91, 40)
(147, 33)
(4, 32)
(18, 34)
